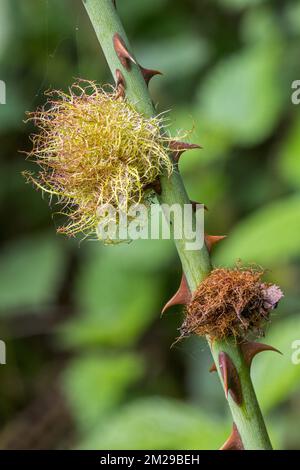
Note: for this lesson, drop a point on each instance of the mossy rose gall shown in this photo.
(93, 149)
(231, 303)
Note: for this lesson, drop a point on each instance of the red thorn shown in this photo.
(148, 74)
(194, 205)
(213, 368)
(251, 348)
(120, 84)
(122, 51)
(180, 147)
(234, 442)
(211, 240)
(231, 378)
(181, 297)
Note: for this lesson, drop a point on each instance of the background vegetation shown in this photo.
(89, 363)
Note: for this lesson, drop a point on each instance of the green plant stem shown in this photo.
(196, 264)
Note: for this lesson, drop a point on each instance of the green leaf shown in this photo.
(5, 25)
(158, 423)
(292, 17)
(189, 51)
(12, 113)
(262, 25)
(133, 12)
(117, 307)
(94, 384)
(276, 377)
(239, 4)
(289, 155)
(243, 96)
(30, 273)
(268, 236)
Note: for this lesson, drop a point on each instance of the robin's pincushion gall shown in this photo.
(93, 149)
(230, 302)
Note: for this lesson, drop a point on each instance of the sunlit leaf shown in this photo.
(243, 96)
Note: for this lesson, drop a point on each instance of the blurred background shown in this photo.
(89, 360)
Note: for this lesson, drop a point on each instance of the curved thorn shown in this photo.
(251, 348)
(122, 52)
(213, 368)
(231, 378)
(120, 84)
(211, 240)
(234, 442)
(181, 297)
(179, 147)
(149, 73)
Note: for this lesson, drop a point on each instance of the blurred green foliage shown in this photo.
(85, 319)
